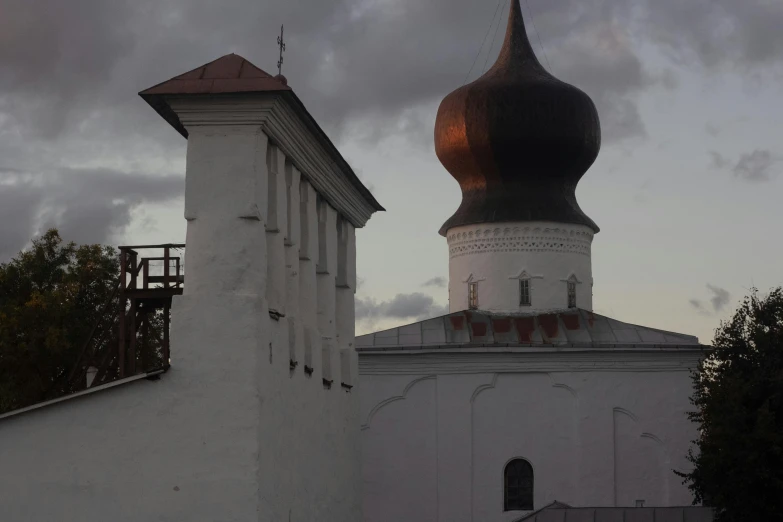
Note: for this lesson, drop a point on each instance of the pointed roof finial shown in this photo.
(517, 55)
(281, 45)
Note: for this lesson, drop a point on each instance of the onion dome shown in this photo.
(517, 140)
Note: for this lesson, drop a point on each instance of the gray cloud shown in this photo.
(643, 193)
(18, 209)
(712, 129)
(719, 300)
(438, 281)
(718, 161)
(699, 306)
(416, 306)
(720, 297)
(71, 71)
(96, 54)
(718, 33)
(754, 166)
(345, 59)
(87, 205)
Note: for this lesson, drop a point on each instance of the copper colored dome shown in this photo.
(517, 140)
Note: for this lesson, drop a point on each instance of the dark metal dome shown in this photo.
(517, 140)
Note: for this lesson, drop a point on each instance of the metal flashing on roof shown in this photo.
(558, 512)
(88, 391)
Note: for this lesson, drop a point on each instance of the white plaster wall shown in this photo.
(594, 438)
(153, 451)
(231, 432)
(523, 416)
(497, 255)
(413, 479)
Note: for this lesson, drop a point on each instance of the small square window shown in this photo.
(473, 296)
(571, 294)
(524, 292)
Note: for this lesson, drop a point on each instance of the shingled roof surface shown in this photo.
(478, 328)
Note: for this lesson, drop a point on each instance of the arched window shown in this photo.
(473, 295)
(571, 294)
(524, 292)
(518, 486)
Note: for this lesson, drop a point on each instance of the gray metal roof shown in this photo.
(568, 328)
(621, 514)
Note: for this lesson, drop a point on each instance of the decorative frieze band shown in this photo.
(482, 239)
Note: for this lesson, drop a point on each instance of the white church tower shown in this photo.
(518, 140)
(272, 209)
(522, 404)
(257, 417)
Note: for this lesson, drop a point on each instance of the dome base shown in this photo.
(488, 262)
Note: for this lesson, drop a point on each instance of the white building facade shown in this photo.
(522, 397)
(258, 417)
(596, 408)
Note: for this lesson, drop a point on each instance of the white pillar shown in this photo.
(345, 312)
(276, 228)
(308, 289)
(326, 268)
(292, 243)
(226, 245)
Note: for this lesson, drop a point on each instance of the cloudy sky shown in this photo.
(686, 189)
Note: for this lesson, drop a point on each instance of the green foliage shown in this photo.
(50, 297)
(738, 395)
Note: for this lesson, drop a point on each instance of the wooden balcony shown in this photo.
(147, 285)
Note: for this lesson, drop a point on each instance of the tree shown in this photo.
(50, 297)
(738, 395)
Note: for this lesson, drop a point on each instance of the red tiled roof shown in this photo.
(226, 75)
(233, 74)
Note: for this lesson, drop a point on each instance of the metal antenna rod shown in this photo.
(281, 45)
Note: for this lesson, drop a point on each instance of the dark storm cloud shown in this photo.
(87, 205)
(354, 58)
(18, 208)
(716, 33)
(416, 306)
(70, 71)
(346, 59)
